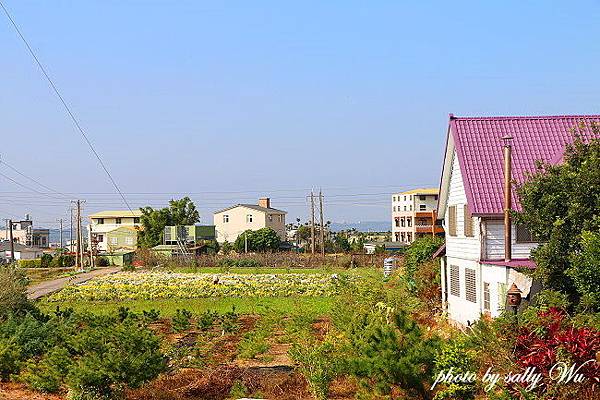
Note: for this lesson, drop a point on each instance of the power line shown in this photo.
(27, 187)
(64, 103)
(30, 178)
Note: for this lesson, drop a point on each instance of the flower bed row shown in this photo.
(165, 285)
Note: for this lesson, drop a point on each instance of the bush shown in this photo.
(110, 357)
(181, 320)
(455, 355)
(63, 261)
(46, 260)
(102, 262)
(36, 263)
(10, 356)
(319, 364)
(420, 251)
(13, 296)
(46, 375)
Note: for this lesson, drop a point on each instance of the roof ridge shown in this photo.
(526, 117)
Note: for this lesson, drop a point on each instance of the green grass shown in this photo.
(259, 305)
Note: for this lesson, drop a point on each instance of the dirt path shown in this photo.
(45, 288)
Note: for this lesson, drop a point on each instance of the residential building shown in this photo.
(186, 240)
(22, 252)
(476, 270)
(106, 233)
(25, 234)
(233, 221)
(414, 215)
(188, 234)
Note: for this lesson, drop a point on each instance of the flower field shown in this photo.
(166, 285)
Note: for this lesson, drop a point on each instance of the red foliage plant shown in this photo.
(554, 340)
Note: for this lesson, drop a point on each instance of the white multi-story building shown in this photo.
(114, 230)
(414, 215)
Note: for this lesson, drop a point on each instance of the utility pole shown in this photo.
(12, 242)
(312, 222)
(61, 232)
(71, 231)
(79, 253)
(246, 241)
(322, 225)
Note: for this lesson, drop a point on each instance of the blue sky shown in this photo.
(232, 100)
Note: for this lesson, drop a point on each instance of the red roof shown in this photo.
(478, 145)
(514, 263)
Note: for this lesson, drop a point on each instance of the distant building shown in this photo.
(22, 252)
(114, 230)
(186, 240)
(25, 234)
(233, 221)
(414, 215)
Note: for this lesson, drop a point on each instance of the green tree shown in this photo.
(341, 244)
(261, 240)
(561, 208)
(179, 212)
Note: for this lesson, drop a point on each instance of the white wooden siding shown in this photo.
(494, 242)
(460, 246)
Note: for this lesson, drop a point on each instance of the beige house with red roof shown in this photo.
(477, 266)
(414, 215)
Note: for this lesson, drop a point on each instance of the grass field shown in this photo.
(257, 305)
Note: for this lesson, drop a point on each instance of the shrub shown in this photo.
(319, 364)
(46, 260)
(36, 263)
(13, 296)
(46, 375)
(181, 320)
(63, 261)
(151, 315)
(110, 357)
(551, 339)
(102, 262)
(207, 319)
(455, 355)
(10, 356)
(418, 252)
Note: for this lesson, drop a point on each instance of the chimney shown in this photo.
(507, 198)
(264, 202)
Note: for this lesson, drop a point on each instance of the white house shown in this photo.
(476, 272)
(114, 230)
(232, 221)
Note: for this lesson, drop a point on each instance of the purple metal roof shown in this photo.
(479, 147)
(514, 263)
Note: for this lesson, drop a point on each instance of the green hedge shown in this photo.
(36, 263)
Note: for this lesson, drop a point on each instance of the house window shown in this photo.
(486, 296)
(394, 198)
(100, 238)
(249, 218)
(402, 222)
(270, 217)
(225, 218)
(454, 280)
(408, 221)
(136, 220)
(435, 197)
(422, 207)
(100, 221)
(452, 220)
(114, 240)
(468, 222)
(409, 237)
(402, 235)
(404, 208)
(410, 207)
(394, 208)
(404, 198)
(129, 240)
(118, 221)
(523, 235)
(470, 285)
(397, 222)
(422, 198)
(502, 291)
(281, 218)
